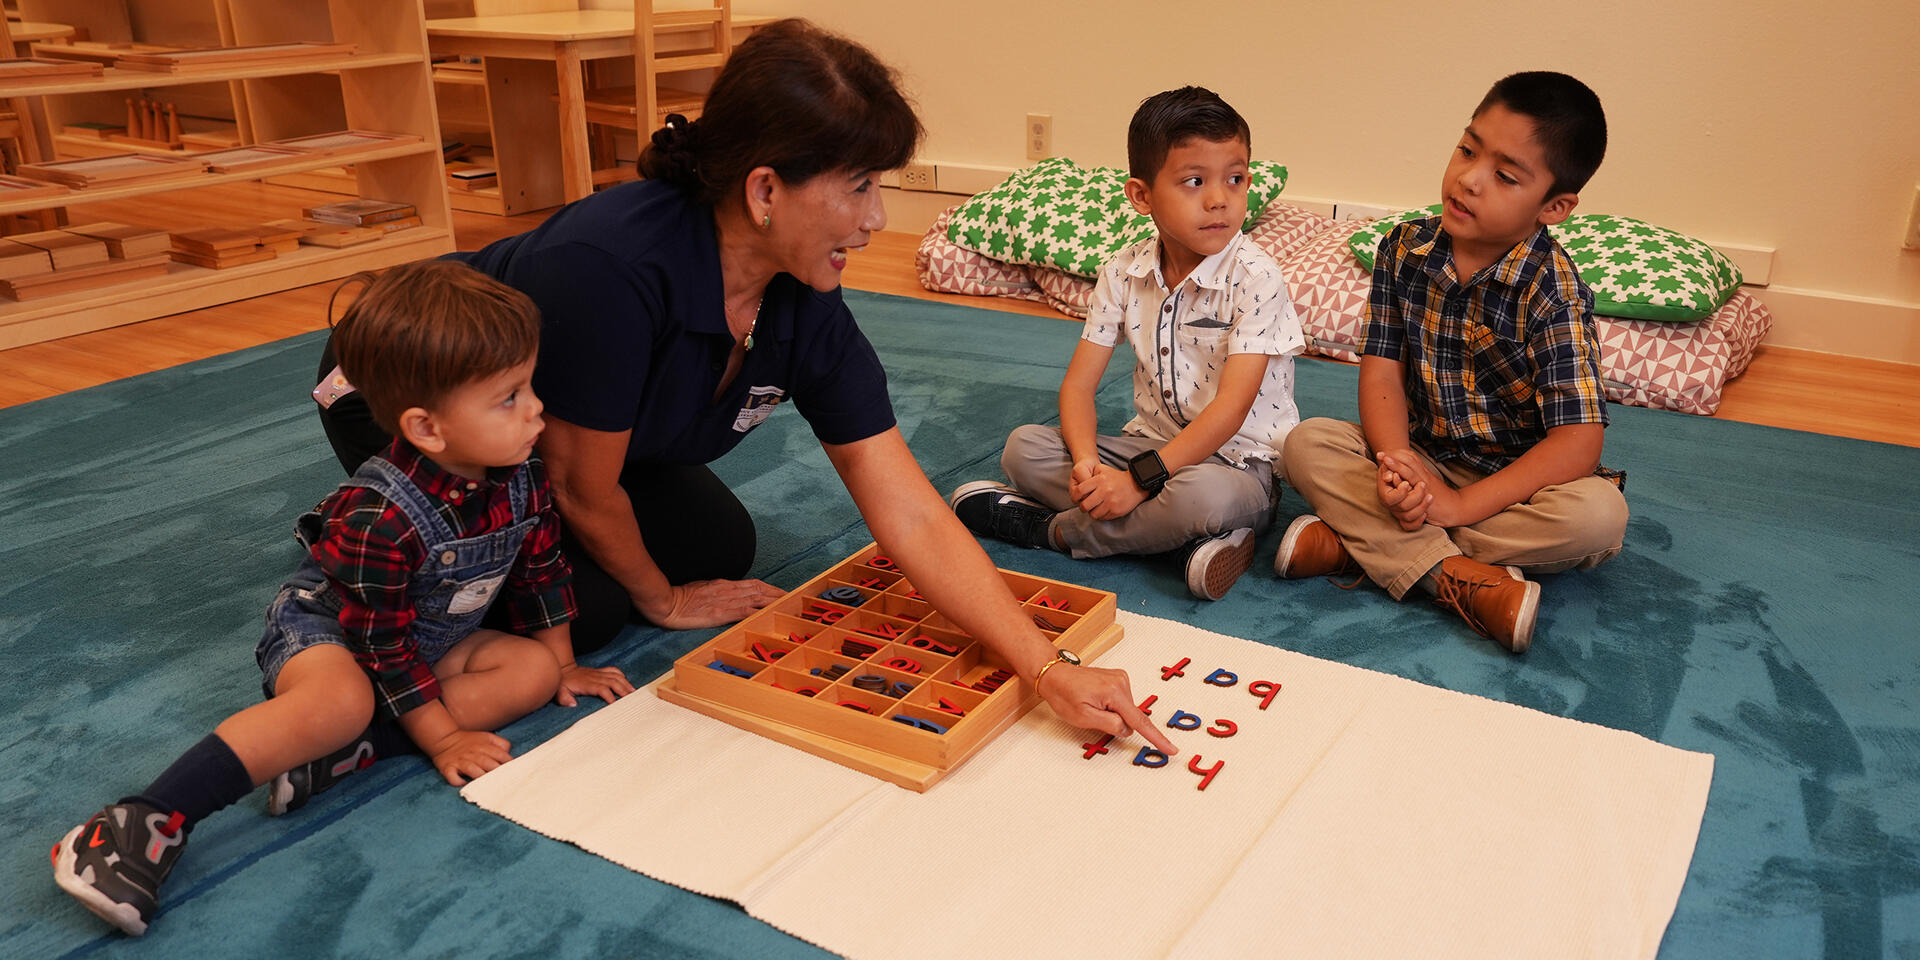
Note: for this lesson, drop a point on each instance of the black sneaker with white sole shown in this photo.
(114, 863)
(291, 790)
(996, 510)
(1215, 563)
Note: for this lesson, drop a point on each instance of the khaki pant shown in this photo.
(1564, 526)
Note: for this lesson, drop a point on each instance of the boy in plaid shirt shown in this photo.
(1482, 414)
(375, 645)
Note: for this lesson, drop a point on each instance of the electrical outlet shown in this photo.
(1913, 222)
(918, 176)
(1039, 136)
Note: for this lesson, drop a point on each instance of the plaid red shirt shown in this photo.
(1493, 361)
(369, 552)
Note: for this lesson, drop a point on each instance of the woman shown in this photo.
(679, 311)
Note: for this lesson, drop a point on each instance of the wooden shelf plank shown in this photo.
(117, 79)
(187, 287)
(136, 188)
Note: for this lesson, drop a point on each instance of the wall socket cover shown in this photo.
(1912, 241)
(1039, 136)
(919, 176)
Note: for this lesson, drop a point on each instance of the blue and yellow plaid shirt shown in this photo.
(1494, 362)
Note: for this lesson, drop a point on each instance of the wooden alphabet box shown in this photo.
(872, 676)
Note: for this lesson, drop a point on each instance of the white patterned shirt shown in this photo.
(1233, 302)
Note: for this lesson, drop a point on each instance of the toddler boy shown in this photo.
(374, 646)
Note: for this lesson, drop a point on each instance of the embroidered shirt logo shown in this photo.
(760, 404)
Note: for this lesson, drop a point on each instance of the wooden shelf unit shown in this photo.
(385, 85)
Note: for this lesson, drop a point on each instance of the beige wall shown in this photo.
(1794, 126)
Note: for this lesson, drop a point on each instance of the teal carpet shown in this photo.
(1764, 611)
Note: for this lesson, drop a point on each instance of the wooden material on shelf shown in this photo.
(20, 260)
(125, 241)
(32, 69)
(342, 142)
(252, 158)
(372, 75)
(93, 171)
(21, 188)
(887, 655)
(82, 279)
(67, 250)
(104, 54)
(215, 58)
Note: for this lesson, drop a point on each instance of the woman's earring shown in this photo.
(766, 222)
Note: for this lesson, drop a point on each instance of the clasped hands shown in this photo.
(1104, 492)
(1414, 494)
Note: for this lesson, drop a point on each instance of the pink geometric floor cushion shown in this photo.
(1067, 293)
(1681, 366)
(947, 268)
(1329, 290)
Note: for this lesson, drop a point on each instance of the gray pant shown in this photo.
(1563, 527)
(1209, 497)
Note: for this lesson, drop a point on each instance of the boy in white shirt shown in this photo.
(1213, 336)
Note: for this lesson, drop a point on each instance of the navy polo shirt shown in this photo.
(634, 332)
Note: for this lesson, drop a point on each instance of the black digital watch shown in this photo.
(1149, 471)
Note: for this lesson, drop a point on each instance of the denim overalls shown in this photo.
(450, 591)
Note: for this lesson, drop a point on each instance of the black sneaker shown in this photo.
(996, 510)
(1214, 563)
(291, 790)
(114, 863)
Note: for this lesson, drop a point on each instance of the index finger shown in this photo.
(1144, 726)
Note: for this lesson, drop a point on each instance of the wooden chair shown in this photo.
(644, 106)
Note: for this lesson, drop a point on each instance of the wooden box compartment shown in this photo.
(888, 685)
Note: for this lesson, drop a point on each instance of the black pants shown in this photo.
(693, 526)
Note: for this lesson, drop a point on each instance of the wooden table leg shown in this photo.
(520, 113)
(576, 163)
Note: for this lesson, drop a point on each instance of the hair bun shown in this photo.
(672, 154)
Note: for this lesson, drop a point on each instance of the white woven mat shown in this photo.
(1359, 815)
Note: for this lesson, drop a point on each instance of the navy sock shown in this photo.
(208, 777)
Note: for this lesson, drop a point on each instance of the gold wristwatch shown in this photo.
(1067, 657)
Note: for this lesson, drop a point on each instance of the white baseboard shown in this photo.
(1830, 322)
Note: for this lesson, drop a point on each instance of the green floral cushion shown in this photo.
(1635, 269)
(1058, 214)
(1366, 240)
(1644, 272)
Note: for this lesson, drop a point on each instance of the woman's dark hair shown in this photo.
(792, 97)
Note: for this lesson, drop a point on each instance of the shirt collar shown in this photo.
(1512, 269)
(1210, 272)
(435, 480)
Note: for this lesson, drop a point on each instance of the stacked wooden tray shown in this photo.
(75, 260)
(221, 58)
(117, 168)
(46, 70)
(875, 678)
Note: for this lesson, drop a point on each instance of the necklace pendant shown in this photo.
(748, 343)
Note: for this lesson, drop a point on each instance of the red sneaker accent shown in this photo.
(172, 826)
(97, 839)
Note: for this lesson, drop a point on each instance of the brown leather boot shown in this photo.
(1312, 549)
(1497, 602)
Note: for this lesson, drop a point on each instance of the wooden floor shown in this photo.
(1796, 389)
